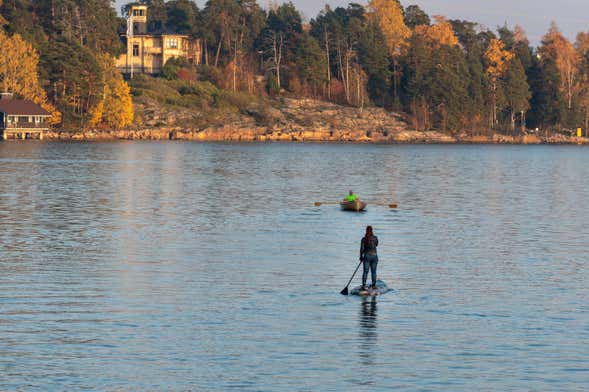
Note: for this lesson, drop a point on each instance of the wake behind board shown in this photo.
(381, 288)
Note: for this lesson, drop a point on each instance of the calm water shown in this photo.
(179, 266)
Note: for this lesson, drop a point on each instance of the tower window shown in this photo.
(135, 50)
(172, 43)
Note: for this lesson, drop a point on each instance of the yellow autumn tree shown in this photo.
(115, 109)
(438, 34)
(567, 60)
(497, 59)
(19, 72)
(2, 20)
(582, 47)
(389, 16)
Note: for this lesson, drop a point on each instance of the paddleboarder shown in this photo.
(368, 256)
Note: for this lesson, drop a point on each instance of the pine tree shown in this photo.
(310, 63)
(375, 62)
(415, 16)
(517, 92)
(547, 103)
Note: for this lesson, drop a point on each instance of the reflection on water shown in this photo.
(180, 266)
(368, 330)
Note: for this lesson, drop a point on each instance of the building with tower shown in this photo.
(147, 51)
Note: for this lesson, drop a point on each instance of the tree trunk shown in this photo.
(206, 52)
(328, 65)
(341, 67)
(395, 95)
(235, 67)
(218, 51)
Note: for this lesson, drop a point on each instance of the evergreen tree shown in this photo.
(182, 16)
(517, 92)
(547, 103)
(415, 16)
(310, 63)
(280, 37)
(375, 62)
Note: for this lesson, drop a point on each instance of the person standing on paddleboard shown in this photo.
(368, 256)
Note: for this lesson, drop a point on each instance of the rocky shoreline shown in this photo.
(228, 134)
(291, 120)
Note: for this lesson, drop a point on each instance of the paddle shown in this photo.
(345, 290)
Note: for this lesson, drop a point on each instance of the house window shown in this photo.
(135, 50)
(172, 43)
(137, 12)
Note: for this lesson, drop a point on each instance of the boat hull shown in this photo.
(356, 205)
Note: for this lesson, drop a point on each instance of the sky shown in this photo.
(571, 16)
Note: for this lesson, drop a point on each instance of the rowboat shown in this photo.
(356, 205)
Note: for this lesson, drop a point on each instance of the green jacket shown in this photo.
(352, 197)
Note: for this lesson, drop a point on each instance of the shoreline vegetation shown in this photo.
(385, 72)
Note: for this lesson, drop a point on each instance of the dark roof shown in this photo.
(21, 107)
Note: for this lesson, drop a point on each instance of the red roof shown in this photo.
(21, 107)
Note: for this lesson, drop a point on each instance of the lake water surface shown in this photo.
(179, 266)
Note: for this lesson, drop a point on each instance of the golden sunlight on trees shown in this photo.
(498, 60)
(439, 34)
(18, 72)
(582, 47)
(115, 109)
(556, 45)
(389, 15)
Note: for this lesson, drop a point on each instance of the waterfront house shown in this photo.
(22, 119)
(147, 51)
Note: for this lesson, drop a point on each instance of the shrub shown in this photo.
(206, 73)
(272, 86)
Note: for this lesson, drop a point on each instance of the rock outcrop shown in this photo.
(288, 120)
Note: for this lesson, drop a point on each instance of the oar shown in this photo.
(318, 203)
(345, 290)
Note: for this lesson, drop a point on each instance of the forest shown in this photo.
(441, 74)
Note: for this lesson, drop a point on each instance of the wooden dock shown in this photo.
(22, 134)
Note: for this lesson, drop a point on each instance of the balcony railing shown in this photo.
(27, 125)
(139, 69)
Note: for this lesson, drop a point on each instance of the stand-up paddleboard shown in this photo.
(381, 288)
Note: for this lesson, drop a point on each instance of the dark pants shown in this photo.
(369, 261)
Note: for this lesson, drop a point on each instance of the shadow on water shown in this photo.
(368, 330)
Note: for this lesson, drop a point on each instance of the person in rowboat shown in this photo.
(351, 196)
(368, 256)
